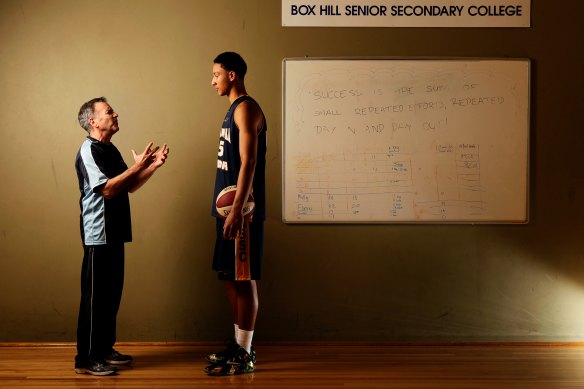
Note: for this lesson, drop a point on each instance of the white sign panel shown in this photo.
(406, 13)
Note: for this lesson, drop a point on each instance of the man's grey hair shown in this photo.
(87, 110)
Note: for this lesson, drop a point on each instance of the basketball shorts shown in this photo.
(239, 260)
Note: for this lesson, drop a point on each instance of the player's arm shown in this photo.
(115, 185)
(248, 118)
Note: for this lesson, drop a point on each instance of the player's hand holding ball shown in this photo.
(224, 204)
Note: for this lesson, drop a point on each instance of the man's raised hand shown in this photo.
(147, 157)
(160, 156)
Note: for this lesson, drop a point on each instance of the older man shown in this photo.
(104, 183)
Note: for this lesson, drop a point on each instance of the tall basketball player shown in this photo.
(238, 252)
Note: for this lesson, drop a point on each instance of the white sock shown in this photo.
(236, 334)
(244, 339)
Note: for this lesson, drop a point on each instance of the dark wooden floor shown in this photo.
(311, 365)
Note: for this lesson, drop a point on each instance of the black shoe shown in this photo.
(230, 350)
(94, 368)
(240, 363)
(115, 358)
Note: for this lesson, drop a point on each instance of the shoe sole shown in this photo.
(225, 370)
(80, 370)
(209, 369)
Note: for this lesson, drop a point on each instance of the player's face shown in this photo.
(105, 118)
(222, 80)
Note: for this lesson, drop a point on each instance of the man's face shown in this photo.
(105, 118)
(222, 80)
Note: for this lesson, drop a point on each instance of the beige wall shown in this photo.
(152, 59)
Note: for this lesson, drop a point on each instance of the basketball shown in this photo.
(225, 201)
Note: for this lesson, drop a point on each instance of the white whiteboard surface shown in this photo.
(398, 141)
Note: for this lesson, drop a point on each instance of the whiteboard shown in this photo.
(405, 140)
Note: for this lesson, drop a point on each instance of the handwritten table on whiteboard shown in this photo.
(405, 141)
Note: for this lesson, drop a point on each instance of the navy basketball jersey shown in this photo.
(229, 161)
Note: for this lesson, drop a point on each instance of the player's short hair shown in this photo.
(232, 62)
(87, 110)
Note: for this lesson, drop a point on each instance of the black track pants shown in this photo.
(102, 281)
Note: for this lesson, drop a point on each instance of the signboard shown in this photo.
(406, 13)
